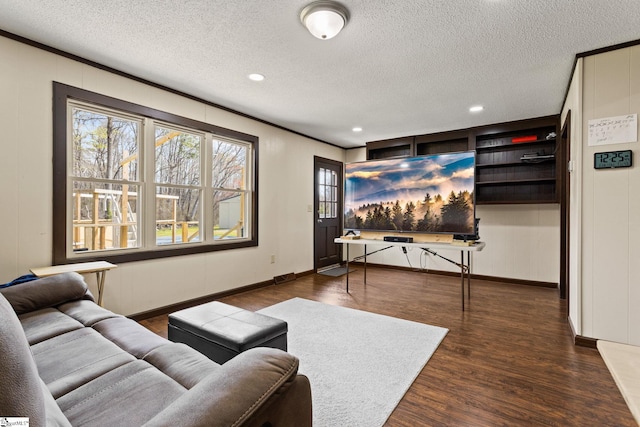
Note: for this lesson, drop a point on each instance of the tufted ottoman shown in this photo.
(221, 331)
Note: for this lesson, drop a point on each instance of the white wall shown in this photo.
(610, 205)
(523, 242)
(285, 177)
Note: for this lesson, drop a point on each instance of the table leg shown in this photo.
(469, 275)
(462, 276)
(100, 281)
(347, 268)
(365, 265)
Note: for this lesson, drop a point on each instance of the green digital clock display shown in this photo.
(613, 159)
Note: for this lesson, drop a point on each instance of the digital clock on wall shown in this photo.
(612, 159)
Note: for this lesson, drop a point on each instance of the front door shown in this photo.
(327, 212)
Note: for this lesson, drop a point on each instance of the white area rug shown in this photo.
(360, 364)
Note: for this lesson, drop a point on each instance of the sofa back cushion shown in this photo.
(46, 292)
(22, 394)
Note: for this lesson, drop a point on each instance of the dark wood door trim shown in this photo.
(338, 166)
(565, 152)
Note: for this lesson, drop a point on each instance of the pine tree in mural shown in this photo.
(368, 220)
(396, 216)
(430, 221)
(408, 217)
(388, 223)
(457, 212)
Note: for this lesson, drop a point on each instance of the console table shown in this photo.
(465, 269)
(98, 267)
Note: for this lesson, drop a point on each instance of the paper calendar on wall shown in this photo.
(613, 130)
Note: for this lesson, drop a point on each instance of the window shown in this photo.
(104, 180)
(230, 193)
(177, 185)
(135, 183)
(328, 193)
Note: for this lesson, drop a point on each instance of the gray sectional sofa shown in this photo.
(68, 362)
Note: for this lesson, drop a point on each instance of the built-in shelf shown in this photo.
(516, 181)
(516, 162)
(391, 148)
(449, 142)
(501, 200)
(502, 146)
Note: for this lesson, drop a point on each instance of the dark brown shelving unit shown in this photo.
(446, 142)
(507, 171)
(391, 148)
(512, 171)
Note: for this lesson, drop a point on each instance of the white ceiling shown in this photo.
(403, 67)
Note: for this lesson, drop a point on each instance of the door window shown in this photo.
(328, 193)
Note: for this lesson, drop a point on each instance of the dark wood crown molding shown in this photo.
(115, 71)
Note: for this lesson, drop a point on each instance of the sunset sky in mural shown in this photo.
(408, 179)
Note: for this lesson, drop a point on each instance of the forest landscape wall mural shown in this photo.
(427, 194)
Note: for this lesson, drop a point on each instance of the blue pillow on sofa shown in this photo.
(21, 279)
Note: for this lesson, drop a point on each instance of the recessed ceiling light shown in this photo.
(256, 77)
(476, 108)
(357, 129)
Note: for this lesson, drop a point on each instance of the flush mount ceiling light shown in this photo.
(476, 108)
(324, 19)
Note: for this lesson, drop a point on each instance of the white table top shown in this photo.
(475, 247)
(83, 267)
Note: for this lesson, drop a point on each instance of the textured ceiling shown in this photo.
(399, 68)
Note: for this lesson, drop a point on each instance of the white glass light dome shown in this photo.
(324, 19)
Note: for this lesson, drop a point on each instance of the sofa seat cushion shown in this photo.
(183, 364)
(130, 336)
(67, 361)
(127, 396)
(40, 325)
(86, 312)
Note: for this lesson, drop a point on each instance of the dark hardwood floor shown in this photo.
(509, 360)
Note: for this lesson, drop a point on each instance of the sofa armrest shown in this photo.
(252, 384)
(46, 292)
(21, 386)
